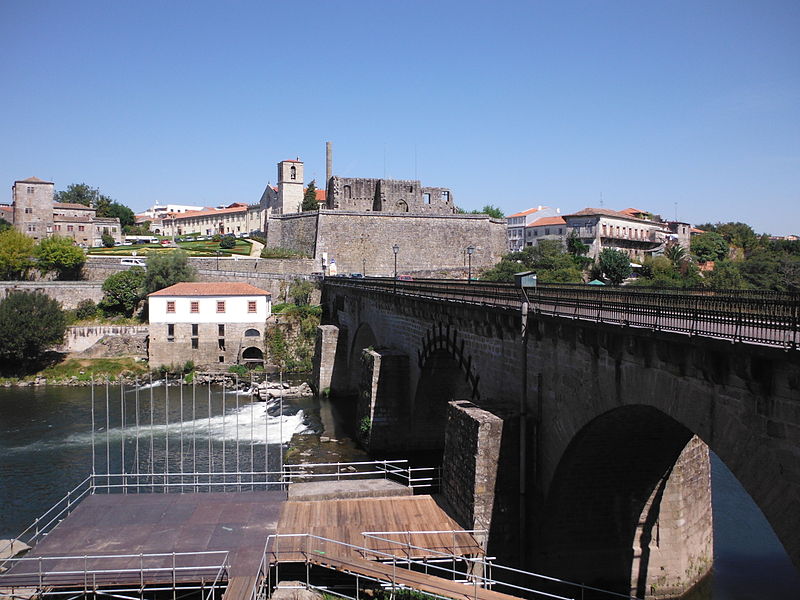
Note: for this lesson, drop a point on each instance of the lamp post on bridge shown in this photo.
(395, 249)
(470, 250)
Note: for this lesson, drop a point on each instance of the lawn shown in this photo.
(198, 248)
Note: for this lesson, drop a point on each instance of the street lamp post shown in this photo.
(470, 250)
(217, 252)
(395, 249)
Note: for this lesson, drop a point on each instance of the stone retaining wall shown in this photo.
(69, 293)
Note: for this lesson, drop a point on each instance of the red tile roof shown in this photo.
(6, 208)
(696, 230)
(208, 212)
(634, 211)
(297, 160)
(524, 213)
(211, 289)
(548, 221)
(605, 212)
(71, 205)
(321, 196)
(32, 180)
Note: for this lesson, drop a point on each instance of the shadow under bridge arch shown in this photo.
(442, 379)
(630, 497)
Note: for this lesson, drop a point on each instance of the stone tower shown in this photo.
(33, 207)
(290, 186)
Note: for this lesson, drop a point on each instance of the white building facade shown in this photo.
(211, 324)
(516, 223)
(600, 228)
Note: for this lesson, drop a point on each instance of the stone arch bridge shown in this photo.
(578, 433)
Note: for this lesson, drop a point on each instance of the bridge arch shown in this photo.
(364, 338)
(614, 481)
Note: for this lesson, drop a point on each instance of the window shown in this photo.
(170, 307)
(28, 210)
(251, 333)
(220, 306)
(80, 227)
(170, 332)
(221, 343)
(293, 173)
(195, 328)
(222, 359)
(547, 231)
(426, 198)
(194, 343)
(70, 227)
(445, 196)
(251, 306)
(195, 308)
(221, 330)
(348, 192)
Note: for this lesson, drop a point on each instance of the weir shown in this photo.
(188, 496)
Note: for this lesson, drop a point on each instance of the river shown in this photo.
(46, 445)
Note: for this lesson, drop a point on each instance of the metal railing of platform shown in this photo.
(476, 574)
(119, 574)
(752, 316)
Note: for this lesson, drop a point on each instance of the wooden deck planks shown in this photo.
(345, 520)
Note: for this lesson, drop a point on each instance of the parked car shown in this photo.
(357, 275)
(405, 278)
(133, 262)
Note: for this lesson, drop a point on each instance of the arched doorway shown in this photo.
(252, 357)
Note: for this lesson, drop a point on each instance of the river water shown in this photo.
(46, 443)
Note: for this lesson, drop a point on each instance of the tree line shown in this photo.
(725, 256)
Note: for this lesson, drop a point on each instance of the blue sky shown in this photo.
(644, 104)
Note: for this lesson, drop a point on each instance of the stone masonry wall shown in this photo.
(79, 339)
(213, 350)
(382, 401)
(362, 242)
(296, 232)
(69, 293)
(472, 452)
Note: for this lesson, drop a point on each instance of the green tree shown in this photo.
(547, 258)
(61, 256)
(300, 290)
(30, 323)
(123, 291)
(227, 242)
(81, 193)
(726, 276)
(278, 349)
(4, 225)
(16, 251)
(121, 212)
(493, 211)
(615, 265)
(107, 239)
(164, 270)
(709, 246)
(310, 197)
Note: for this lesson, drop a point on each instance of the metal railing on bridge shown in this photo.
(760, 317)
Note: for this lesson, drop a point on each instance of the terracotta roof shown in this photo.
(548, 221)
(211, 289)
(74, 205)
(696, 230)
(605, 212)
(634, 211)
(32, 180)
(524, 213)
(321, 196)
(208, 212)
(7, 208)
(297, 160)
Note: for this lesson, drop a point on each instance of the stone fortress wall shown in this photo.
(362, 241)
(388, 195)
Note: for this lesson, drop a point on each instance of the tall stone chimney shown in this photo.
(328, 164)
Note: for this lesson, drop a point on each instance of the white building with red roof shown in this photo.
(211, 324)
(546, 228)
(601, 228)
(516, 224)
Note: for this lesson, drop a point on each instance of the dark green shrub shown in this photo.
(86, 309)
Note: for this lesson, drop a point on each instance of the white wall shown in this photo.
(235, 309)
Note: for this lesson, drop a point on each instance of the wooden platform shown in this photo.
(345, 520)
(238, 523)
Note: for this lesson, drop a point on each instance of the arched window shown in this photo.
(402, 206)
(252, 333)
(293, 173)
(348, 192)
